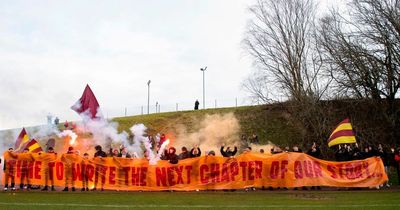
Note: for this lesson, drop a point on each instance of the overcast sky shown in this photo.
(50, 50)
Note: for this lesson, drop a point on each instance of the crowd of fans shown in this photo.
(346, 152)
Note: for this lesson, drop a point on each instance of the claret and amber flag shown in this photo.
(21, 141)
(343, 134)
(87, 103)
(33, 146)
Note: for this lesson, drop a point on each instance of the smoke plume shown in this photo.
(214, 131)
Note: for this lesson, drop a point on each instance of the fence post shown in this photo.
(236, 102)
(142, 110)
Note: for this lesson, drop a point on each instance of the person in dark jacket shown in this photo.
(357, 155)
(184, 154)
(348, 154)
(314, 151)
(365, 153)
(99, 152)
(386, 163)
(228, 152)
(340, 154)
(171, 155)
(195, 152)
(384, 156)
(372, 151)
(254, 139)
(196, 105)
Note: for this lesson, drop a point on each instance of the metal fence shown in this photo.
(159, 107)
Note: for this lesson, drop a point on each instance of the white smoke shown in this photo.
(104, 132)
(212, 132)
(69, 133)
(139, 139)
(43, 131)
(156, 158)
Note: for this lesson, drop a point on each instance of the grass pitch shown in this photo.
(369, 199)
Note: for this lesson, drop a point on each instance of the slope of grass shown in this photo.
(268, 124)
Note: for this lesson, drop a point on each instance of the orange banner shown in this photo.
(203, 173)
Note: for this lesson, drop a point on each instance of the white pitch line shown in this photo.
(197, 206)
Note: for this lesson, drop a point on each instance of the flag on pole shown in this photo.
(21, 141)
(343, 134)
(33, 146)
(87, 103)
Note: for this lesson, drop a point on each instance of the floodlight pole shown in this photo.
(204, 87)
(148, 97)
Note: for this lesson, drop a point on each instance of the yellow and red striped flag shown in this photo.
(343, 134)
(21, 141)
(33, 146)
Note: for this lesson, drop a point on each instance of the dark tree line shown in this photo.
(342, 55)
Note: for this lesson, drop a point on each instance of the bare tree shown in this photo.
(280, 39)
(363, 51)
(258, 88)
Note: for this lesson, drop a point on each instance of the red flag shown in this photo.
(21, 141)
(33, 146)
(87, 102)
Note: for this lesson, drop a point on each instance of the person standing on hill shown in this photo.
(196, 105)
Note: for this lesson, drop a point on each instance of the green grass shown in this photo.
(268, 124)
(370, 199)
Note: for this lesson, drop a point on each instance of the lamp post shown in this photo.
(148, 97)
(204, 87)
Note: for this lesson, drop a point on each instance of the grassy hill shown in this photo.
(269, 124)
